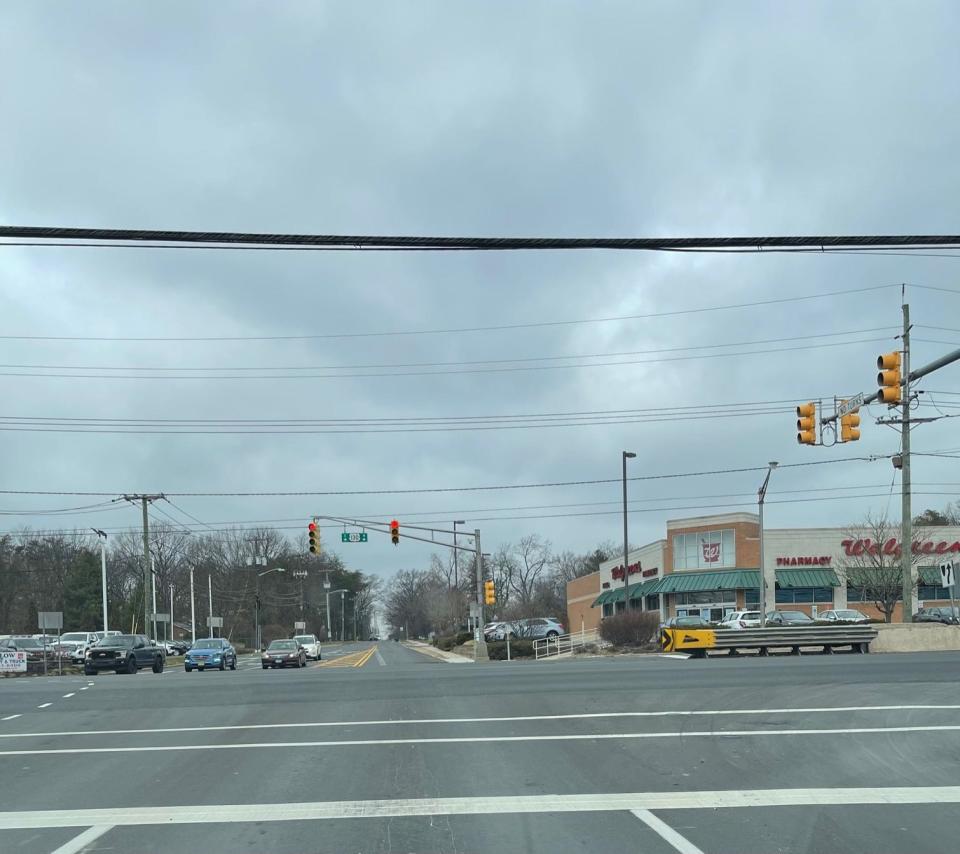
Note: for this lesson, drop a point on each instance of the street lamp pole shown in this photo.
(761, 495)
(627, 455)
(193, 618)
(259, 576)
(102, 536)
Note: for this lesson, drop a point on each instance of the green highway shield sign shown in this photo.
(353, 538)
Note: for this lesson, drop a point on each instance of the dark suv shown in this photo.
(124, 654)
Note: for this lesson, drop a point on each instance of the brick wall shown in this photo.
(581, 594)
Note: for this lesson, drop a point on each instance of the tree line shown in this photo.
(529, 580)
(60, 571)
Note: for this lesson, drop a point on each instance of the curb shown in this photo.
(439, 654)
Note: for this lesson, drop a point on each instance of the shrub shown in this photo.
(497, 650)
(631, 628)
(446, 643)
(463, 637)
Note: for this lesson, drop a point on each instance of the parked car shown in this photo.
(33, 647)
(789, 618)
(179, 647)
(938, 615)
(282, 653)
(73, 651)
(688, 622)
(496, 631)
(86, 639)
(46, 640)
(310, 645)
(843, 615)
(741, 620)
(124, 654)
(537, 627)
(210, 653)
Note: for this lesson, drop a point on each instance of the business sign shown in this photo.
(13, 661)
(711, 552)
(632, 569)
(855, 548)
(50, 620)
(353, 538)
(822, 560)
(299, 626)
(948, 574)
(214, 622)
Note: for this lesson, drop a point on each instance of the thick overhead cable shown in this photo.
(228, 239)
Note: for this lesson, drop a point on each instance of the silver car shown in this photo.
(843, 615)
(538, 627)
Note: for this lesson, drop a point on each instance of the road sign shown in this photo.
(674, 640)
(160, 618)
(362, 537)
(13, 661)
(474, 609)
(851, 405)
(948, 574)
(299, 626)
(49, 620)
(214, 622)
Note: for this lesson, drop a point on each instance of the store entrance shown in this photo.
(712, 613)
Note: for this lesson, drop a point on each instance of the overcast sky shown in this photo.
(557, 119)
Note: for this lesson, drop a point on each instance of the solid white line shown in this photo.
(601, 802)
(44, 705)
(10, 717)
(80, 843)
(681, 843)
(495, 720)
(714, 733)
(379, 658)
(67, 696)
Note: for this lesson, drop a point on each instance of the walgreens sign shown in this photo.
(855, 548)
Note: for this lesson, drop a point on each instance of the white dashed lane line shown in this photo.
(67, 696)
(10, 717)
(44, 705)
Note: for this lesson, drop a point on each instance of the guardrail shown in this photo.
(699, 641)
(563, 644)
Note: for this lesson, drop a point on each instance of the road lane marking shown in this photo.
(493, 720)
(67, 696)
(85, 687)
(10, 717)
(380, 660)
(502, 805)
(80, 843)
(44, 705)
(485, 739)
(351, 659)
(660, 827)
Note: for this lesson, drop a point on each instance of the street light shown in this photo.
(102, 536)
(341, 591)
(627, 455)
(761, 495)
(456, 562)
(259, 576)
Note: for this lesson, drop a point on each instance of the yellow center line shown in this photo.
(353, 659)
(365, 657)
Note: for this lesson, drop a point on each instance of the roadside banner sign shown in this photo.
(948, 574)
(13, 661)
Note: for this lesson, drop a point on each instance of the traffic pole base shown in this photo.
(480, 651)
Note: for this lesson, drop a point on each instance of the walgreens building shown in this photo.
(709, 566)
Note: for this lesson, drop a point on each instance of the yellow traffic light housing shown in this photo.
(807, 423)
(889, 378)
(489, 593)
(395, 532)
(850, 427)
(313, 534)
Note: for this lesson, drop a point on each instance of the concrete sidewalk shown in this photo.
(433, 652)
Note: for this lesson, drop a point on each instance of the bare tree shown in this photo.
(531, 555)
(872, 562)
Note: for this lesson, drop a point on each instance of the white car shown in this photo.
(843, 615)
(742, 620)
(310, 644)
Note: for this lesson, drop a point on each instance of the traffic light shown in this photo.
(489, 593)
(807, 423)
(889, 377)
(395, 532)
(850, 427)
(313, 533)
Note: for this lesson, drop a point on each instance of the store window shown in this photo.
(704, 550)
(752, 596)
(925, 593)
(791, 595)
(706, 597)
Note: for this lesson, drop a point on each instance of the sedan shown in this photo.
(283, 653)
(789, 618)
(310, 644)
(686, 622)
(843, 615)
(215, 653)
(937, 615)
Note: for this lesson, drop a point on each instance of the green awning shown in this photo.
(930, 575)
(787, 578)
(693, 582)
(602, 598)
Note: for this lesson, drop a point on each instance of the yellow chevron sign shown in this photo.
(677, 640)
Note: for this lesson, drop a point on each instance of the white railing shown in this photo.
(564, 644)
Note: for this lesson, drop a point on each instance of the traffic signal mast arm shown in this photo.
(936, 364)
(384, 528)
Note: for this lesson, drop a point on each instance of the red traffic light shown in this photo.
(395, 531)
(312, 526)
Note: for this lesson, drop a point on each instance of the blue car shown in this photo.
(210, 653)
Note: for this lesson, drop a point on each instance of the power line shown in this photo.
(463, 329)
(457, 372)
(228, 240)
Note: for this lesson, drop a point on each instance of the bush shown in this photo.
(497, 650)
(632, 628)
(446, 643)
(463, 637)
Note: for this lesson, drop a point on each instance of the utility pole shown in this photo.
(102, 536)
(627, 455)
(144, 501)
(170, 636)
(193, 618)
(213, 632)
(480, 644)
(153, 586)
(906, 512)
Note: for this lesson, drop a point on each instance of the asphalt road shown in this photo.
(379, 748)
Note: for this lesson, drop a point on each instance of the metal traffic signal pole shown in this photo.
(907, 566)
(480, 643)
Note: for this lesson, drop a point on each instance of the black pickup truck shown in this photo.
(124, 654)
